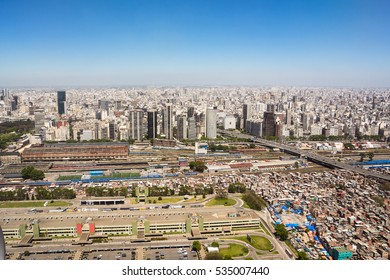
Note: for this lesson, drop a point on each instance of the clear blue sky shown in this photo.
(144, 42)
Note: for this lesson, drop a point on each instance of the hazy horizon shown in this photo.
(195, 43)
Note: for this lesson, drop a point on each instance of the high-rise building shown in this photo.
(136, 124)
(288, 117)
(211, 123)
(167, 121)
(2, 245)
(192, 128)
(245, 114)
(190, 112)
(104, 105)
(269, 121)
(61, 102)
(39, 115)
(111, 130)
(152, 124)
(181, 131)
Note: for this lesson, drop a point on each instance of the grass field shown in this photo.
(28, 204)
(165, 199)
(234, 250)
(69, 177)
(258, 242)
(221, 201)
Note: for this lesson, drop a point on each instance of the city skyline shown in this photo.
(195, 43)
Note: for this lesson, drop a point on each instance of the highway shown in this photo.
(314, 157)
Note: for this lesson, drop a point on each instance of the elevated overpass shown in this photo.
(314, 157)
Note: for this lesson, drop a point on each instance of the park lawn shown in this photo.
(234, 250)
(258, 242)
(28, 204)
(165, 199)
(69, 177)
(221, 201)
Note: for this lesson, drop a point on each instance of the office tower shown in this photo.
(190, 112)
(97, 131)
(118, 105)
(4, 94)
(104, 104)
(211, 123)
(288, 117)
(152, 124)
(191, 128)
(61, 102)
(39, 115)
(111, 130)
(269, 121)
(2, 245)
(167, 121)
(14, 103)
(245, 114)
(307, 121)
(104, 133)
(136, 124)
(181, 132)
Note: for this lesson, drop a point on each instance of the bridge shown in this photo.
(314, 157)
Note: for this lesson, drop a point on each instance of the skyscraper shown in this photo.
(181, 127)
(112, 130)
(190, 112)
(211, 123)
(39, 115)
(245, 114)
(61, 102)
(167, 121)
(136, 124)
(2, 245)
(152, 124)
(191, 128)
(269, 122)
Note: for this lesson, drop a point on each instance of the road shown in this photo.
(314, 157)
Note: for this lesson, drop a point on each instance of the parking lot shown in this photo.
(110, 255)
(48, 256)
(170, 254)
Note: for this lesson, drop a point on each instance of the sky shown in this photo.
(195, 43)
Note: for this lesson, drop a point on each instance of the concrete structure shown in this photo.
(10, 158)
(192, 128)
(136, 124)
(124, 222)
(39, 116)
(245, 114)
(211, 123)
(229, 122)
(84, 151)
(167, 121)
(181, 127)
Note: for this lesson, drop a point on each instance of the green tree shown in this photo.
(370, 155)
(29, 172)
(214, 256)
(196, 246)
(302, 256)
(281, 231)
(215, 244)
